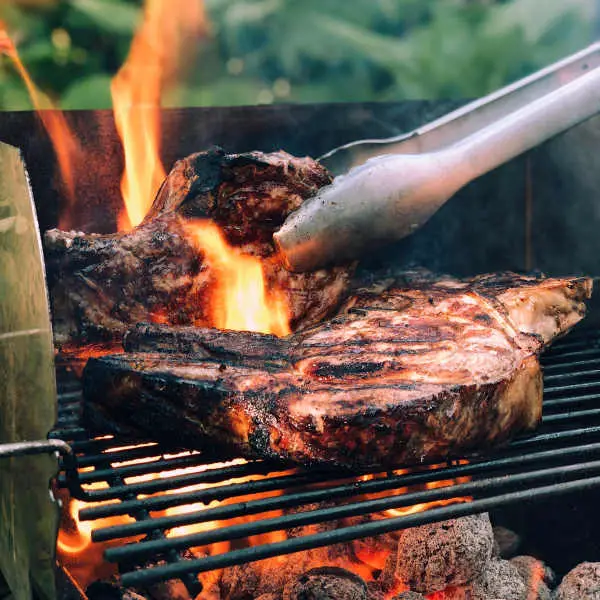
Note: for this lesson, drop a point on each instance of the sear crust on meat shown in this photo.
(414, 369)
(100, 285)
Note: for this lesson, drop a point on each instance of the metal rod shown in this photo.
(169, 483)
(154, 466)
(231, 490)
(552, 391)
(37, 447)
(347, 534)
(573, 375)
(468, 118)
(570, 400)
(571, 416)
(555, 436)
(569, 366)
(291, 500)
(145, 549)
(203, 496)
(551, 359)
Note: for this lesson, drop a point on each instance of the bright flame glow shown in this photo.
(84, 559)
(62, 137)
(136, 91)
(240, 299)
(76, 538)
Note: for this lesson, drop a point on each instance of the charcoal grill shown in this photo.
(561, 457)
(522, 223)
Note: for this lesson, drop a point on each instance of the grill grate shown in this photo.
(144, 482)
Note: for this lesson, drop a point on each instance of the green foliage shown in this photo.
(301, 50)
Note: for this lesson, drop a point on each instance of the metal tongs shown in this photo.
(393, 186)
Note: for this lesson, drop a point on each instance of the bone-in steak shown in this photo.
(413, 369)
(101, 285)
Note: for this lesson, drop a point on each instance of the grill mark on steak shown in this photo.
(369, 388)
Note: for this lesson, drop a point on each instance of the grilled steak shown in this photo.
(100, 285)
(412, 369)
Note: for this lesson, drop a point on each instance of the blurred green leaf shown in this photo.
(91, 92)
(305, 51)
(110, 15)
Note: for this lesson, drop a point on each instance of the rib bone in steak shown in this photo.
(413, 369)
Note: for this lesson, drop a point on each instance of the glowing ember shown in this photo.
(240, 299)
(63, 140)
(136, 93)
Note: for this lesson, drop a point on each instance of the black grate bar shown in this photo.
(551, 359)
(261, 486)
(571, 365)
(154, 452)
(146, 549)
(330, 495)
(574, 346)
(352, 488)
(570, 400)
(551, 391)
(121, 456)
(555, 437)
(69, 409)
(157, 465)
(571, 416)
(205, 477)
(201, 496)
(576, 339)
(347, 534)
(591, 373)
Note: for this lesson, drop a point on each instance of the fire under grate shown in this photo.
(561, 457)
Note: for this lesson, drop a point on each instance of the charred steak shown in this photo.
(100, 285)
(411, 370)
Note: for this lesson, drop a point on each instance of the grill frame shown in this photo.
(562, 457)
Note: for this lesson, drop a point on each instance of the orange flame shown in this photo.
(136, 92)
(74, 546)
(240, 298)
(62, 137)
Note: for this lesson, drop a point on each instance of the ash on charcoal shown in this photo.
(239, 582)
(249, 581)
(374, 591)
(387, 578)
(506, 542)
(501, 579)
(581, 583)
(275, 574)
(326, 583)
(409, 596)
(268, 597)
(438, 555)
(536, 575)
